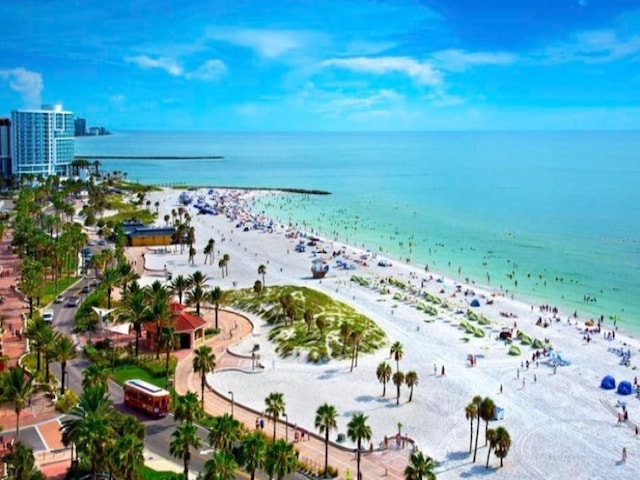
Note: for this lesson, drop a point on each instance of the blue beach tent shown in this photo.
(625, 388)
(608, 383)
(475, 302)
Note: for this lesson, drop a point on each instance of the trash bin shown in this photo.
(341, 438)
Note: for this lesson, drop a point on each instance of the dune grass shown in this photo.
(320, 337)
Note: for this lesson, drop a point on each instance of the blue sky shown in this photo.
(326, 65)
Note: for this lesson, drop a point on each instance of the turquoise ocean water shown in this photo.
(551, 217)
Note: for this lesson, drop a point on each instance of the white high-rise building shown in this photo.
(42, 141)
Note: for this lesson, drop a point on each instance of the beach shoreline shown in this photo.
(567, 403)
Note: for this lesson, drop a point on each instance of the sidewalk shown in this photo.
(388, 463)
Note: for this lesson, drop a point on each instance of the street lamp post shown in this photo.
(232, 402)
(286, 426)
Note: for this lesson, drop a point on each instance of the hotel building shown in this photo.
(42, 141)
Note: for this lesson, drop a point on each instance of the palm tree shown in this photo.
(95, 375)
(357, 431)
(222, 466)
(187, 408)
(110, 279)
(275, 408)
(221, 266)
(17, 388)
(21, 464)
(226, 259)
(63, 351)
(411, 379)
(325, 421)
(90, 426)
(198, 278)
(281, 459)
(503, 444)
(262, 270)
(419, 467)
(383, 372)
(35, 333)
(204, 362)
(487, 412)
(345, 332)
(196, 296)
(183, 438)
(168, 341)
(224, 432)
(477, 400)
(253, 452)
(128, 456)
(136, 312)
(398, 380)
(470, 413)
(216, 296)
(491, 438)
(47, 341)
(179, 285)
(397, 352)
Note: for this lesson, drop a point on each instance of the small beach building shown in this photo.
(140, 235)
(188, 326)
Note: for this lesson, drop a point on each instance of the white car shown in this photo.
(47, 316)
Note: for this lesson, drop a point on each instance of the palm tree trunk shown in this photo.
(326, 453)
(384, 388)
(358, 462)
(202, 377)
(18, 423)
(486, 429)
(63, 369)
(137, 328)
(471, 435)
(411, 393)
(488, 455)
(274, 428)
(186, 465)
(166, 369)
(475, 452)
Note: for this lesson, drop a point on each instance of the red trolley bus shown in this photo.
(143, 396)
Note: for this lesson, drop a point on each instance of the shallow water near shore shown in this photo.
(550, 217)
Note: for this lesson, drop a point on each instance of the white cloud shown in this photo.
(163, 63)
(459, 60)
(27, 83)
(267, 43)
(209, 70)
(421, 72)
(594, 46)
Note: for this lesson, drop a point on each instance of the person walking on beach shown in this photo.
(624, 454)
(443, 374)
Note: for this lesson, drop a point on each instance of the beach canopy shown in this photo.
(475, 302)
(608, 383)
(625, 388)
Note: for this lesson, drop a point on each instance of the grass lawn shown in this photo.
(49, 291)
(124, 373)
(150, 474)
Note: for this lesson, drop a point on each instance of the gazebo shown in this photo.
(188, 326)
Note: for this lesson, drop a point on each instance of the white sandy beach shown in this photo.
(562, 425)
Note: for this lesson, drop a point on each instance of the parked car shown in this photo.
(86, 289)
(47, 316)
(73, 301)
(59, 299)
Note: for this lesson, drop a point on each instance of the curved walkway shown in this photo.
(387, 463)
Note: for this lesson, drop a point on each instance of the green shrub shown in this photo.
(537, 343)
(525, 340)
(472, 316)
(479, 332)
(514, 350)
(66, 402)
(483, 320)
(429, 310)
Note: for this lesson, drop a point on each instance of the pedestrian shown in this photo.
(262, 424)
(257, 423)
(535, 379)
(518, 374)
(500, 388)
(435, 369)
(443, 374)
(624, 454)
(523, 382)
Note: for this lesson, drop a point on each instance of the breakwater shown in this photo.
(149, 157)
